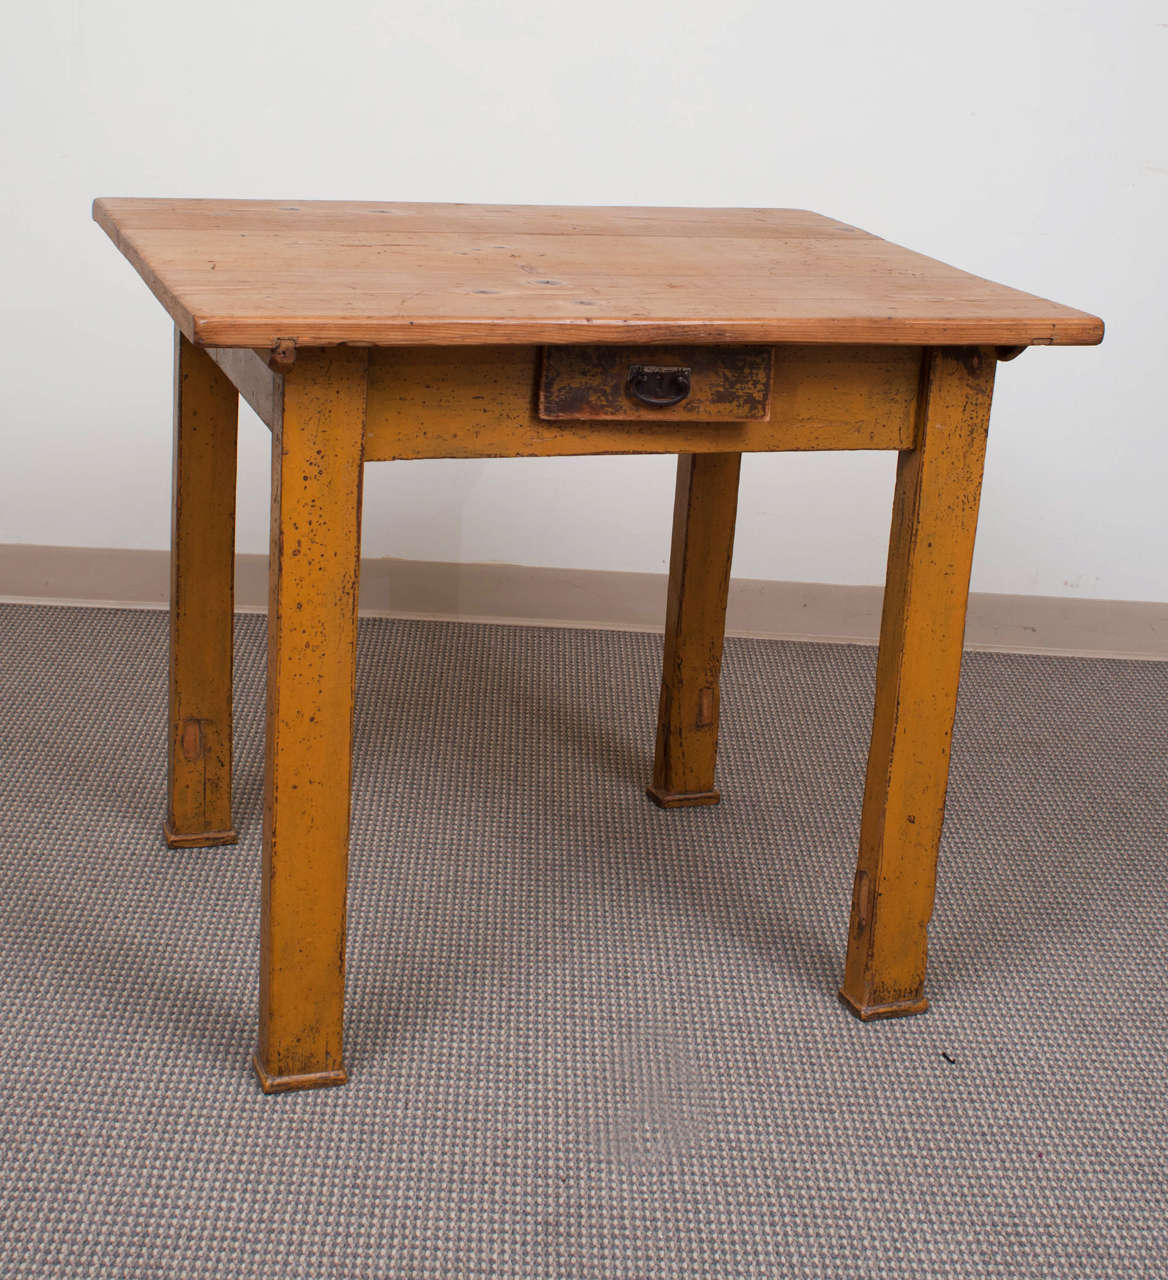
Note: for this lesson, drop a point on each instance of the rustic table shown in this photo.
(368, 332)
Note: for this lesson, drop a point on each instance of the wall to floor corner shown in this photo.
(629, 601)
(1023, 143)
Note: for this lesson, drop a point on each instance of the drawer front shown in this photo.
(660, 384)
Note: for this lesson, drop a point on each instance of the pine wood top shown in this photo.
(250, 273)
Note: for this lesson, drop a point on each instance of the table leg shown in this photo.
(699, 578)
(317, 462)
(934, 519)
(202, 576)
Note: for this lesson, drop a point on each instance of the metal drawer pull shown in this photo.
(658, 385)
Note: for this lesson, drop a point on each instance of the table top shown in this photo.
(252, 273)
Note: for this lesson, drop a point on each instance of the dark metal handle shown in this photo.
(658, 385)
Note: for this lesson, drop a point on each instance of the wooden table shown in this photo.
(369, 332)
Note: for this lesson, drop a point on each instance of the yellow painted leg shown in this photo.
(317, 460)
(202, 569)
(934, 520)
(699, 579)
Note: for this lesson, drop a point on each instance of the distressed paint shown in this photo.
(728, 384)
(317, 464)
(202, 591)
(481, 402)
(704, 510)
(934, 520)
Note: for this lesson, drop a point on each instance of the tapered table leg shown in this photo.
(934, 519)
(699, 578)
(317, 459)
(202, 576)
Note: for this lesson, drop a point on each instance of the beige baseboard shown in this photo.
(594, 598)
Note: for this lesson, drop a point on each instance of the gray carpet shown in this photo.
(586, 1037)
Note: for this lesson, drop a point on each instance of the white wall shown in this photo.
(1022, 141)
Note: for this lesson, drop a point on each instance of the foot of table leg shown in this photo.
(317, 459)
(699, 578)
(198, 840)
(896, 1009)
(930, 553)
(291, 1084)
(681, 799)
(202, 571)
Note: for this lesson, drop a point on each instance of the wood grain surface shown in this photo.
(321, 273)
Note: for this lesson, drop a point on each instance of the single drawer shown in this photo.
(662, 384)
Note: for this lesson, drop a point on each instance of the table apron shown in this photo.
(482, 402)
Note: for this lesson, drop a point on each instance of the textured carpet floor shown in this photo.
(586, 1037)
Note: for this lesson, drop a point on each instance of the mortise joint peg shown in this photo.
(283, 354)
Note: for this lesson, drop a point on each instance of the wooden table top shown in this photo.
(250, 273)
